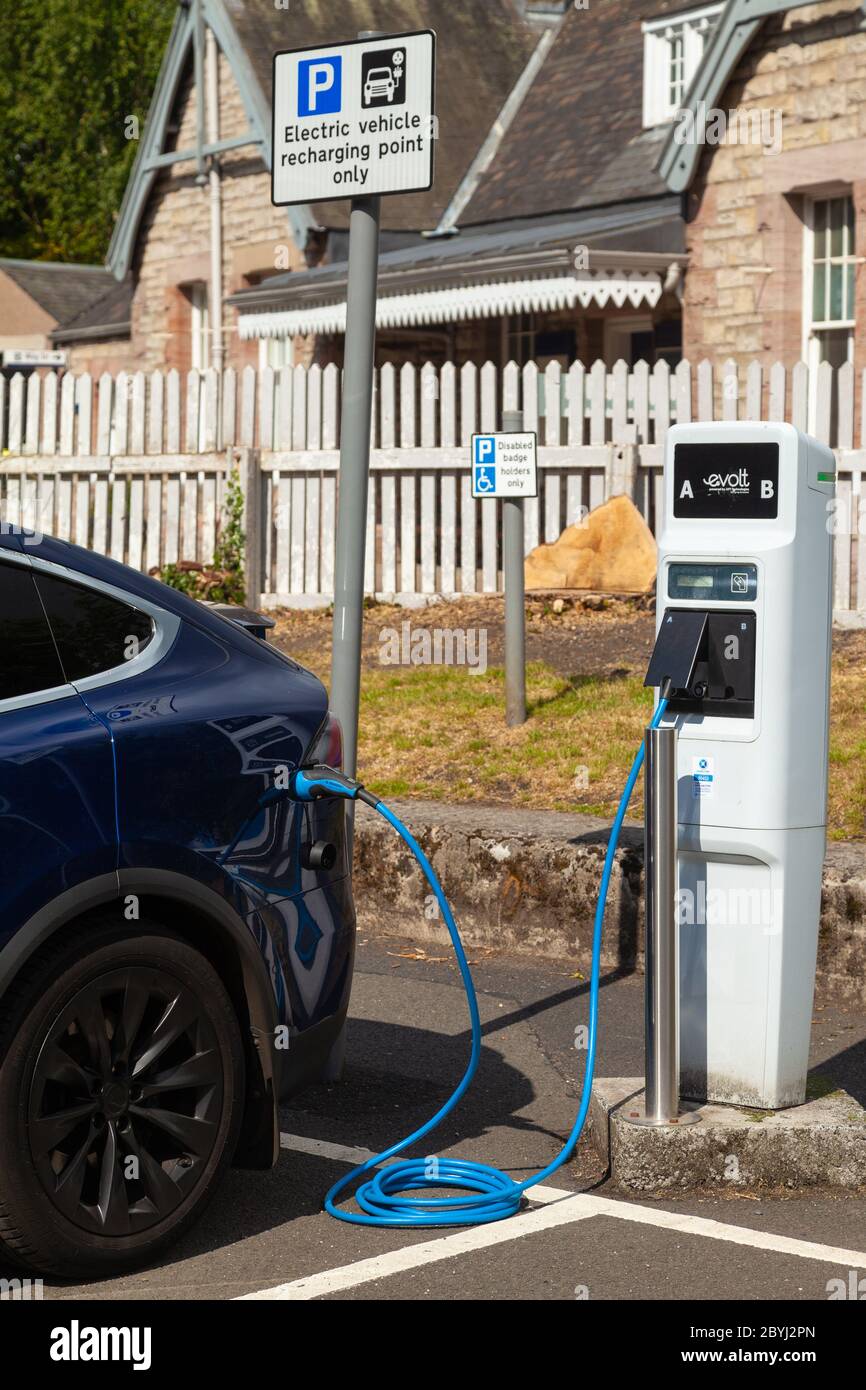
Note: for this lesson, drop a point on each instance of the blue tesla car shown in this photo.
(176, 936)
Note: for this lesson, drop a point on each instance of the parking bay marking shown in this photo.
(560, 1208)
(341, 1153)
(462, 1242)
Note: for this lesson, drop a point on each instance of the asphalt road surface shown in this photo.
(266, 1237)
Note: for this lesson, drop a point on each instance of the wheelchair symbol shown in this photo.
(485, 478)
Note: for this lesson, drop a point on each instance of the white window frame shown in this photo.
(695, 26)
(618, 335)
(199, 326)
(812, 327)
(525, 335)
(276, 353)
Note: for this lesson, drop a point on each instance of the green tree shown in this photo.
(71, 77)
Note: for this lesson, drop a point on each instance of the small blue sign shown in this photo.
(320, 86)
(504, 465)
(485, 478)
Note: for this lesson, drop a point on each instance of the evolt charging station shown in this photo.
(743, 653)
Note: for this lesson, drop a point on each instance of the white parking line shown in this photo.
(320, 1148)
(560, 1208)
(721, 1230)
(429, 1252)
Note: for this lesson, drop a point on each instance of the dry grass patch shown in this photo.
(439, 733)
(847, 791)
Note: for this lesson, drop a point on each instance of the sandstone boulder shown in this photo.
(612, 551)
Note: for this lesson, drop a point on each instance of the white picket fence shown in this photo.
(131, 414)
(135, 465)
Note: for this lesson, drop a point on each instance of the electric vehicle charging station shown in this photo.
(741, 661)
(742, 665)
(744, 604)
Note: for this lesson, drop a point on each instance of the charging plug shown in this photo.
(312, 783)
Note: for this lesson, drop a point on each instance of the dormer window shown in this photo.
(673, 49)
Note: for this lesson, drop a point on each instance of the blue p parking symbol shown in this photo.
(485, 464)
(320, 86)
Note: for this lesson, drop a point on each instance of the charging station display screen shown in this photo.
(726, 481)
(716, 583)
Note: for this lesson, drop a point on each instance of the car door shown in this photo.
(57, 794)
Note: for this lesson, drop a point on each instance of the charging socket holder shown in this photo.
(706, 659)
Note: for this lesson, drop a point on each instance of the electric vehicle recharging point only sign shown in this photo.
(355, 119)
(504, 465)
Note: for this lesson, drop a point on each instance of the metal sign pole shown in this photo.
(355, 423)
(354, 472)
(660, 864)
(513, 547)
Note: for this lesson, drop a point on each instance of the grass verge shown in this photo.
(438, 733)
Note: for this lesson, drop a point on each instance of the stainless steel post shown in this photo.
(662, 1041)
(513, 547)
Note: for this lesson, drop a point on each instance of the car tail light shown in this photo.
(328, 746)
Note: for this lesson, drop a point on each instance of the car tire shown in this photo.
(121, 1098)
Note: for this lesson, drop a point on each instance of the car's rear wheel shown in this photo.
(121, 1096)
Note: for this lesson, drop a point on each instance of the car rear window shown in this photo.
(93, 631)
(29, 660)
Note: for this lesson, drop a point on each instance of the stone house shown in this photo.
(776, 213)
(636, 179)
(197, 211)
(35, 298)
(561, 241)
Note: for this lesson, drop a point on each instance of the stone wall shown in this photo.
(527, 882)
(174, 239)
(111, 355)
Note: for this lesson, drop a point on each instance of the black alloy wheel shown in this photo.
(122, 1081)
(125, 1101)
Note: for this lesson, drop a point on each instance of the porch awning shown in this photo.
(467, 301)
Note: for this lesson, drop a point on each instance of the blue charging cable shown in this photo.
(498, 1196)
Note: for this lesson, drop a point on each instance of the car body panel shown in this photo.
(169, 774)
(57, 805)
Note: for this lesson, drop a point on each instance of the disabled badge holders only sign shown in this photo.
(504, 465)
(354, 119)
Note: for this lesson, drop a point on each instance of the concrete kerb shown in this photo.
(526, 881)
(817, 1145)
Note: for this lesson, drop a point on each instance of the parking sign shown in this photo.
(354, 119)
(504, 465)
(320, 86)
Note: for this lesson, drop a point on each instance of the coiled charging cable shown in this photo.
(487, 1194)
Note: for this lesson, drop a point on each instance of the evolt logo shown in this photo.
(320, 86)
(737, 482)
(77, 1343)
